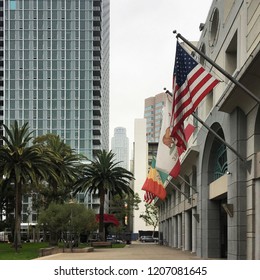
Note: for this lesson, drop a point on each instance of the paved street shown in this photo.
(135, 251)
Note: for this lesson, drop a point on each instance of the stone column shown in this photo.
(187, 230)
(179, 219)
(194, 231)
(257, 219)
(175, 232)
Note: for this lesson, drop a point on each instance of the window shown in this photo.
(231, 55)
(220, 166)
(13, 5)
(214, 27)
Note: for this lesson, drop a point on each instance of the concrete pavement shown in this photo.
(135, 251)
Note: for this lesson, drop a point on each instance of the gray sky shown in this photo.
(142, 51)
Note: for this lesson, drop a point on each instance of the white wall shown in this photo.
(140, 170)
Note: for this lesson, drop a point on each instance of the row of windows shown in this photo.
(55, 14)
(73, 117)
(48, 24)
(69, 68)
(42, 84)
(18, 64)
(47, 35)
(45, 64)
(63, 125)
(43, 75)
(70, 55)
(50, 105)
(56, 96)
(47, 94)
(159, 104)
(48, 4)
(42, 110)
(58, 51)
(147, 108)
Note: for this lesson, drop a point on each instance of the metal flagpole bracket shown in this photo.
(218, 137)
(179, 190)
(197, 217)
(186, 182)
(229, 209)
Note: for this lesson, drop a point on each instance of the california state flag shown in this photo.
(167, 159)
(168, 153)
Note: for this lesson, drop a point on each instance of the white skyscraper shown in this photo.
(120, 147)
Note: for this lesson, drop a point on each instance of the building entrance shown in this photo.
(223, 230)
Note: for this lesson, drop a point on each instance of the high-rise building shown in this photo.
(1, 66)
(153, 115)
(54, 72)
(56, 69)
(120, 147)
(140, 170)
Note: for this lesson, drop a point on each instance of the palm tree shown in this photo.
(101, 176)
(22, 165)
(68, 167)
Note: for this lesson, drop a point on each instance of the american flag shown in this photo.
(191, 83)
(149, 197)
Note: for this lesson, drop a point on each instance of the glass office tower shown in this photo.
(56, 69)
(1, 66)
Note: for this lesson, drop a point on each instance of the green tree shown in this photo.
(150, 216)
(103, 176)
(21, 165)
(67, 166)
(123, 208)
(70, 218)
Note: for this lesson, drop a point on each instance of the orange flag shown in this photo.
(153, 183)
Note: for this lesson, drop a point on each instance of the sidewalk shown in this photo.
(135, 251)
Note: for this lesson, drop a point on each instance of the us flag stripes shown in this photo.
(191, 83)
(149, 197)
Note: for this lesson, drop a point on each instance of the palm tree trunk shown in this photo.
(101, 215)
(18, 210)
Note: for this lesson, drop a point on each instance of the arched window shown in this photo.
(218, 158)
(214, 27)
(220, 166)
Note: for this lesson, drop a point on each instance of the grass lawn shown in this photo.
(30, 251)
(27, 252)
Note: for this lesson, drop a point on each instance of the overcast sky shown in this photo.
(142, 51)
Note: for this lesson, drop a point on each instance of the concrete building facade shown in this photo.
(153, 114)
(221, 219)
(140, 171)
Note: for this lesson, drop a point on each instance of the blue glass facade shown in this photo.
(57, 69)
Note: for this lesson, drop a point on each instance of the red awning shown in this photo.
(109, 219)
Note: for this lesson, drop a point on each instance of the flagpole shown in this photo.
(221, 70)
(175, 187)
(185, 181)
(218, 137)
(214, 133)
